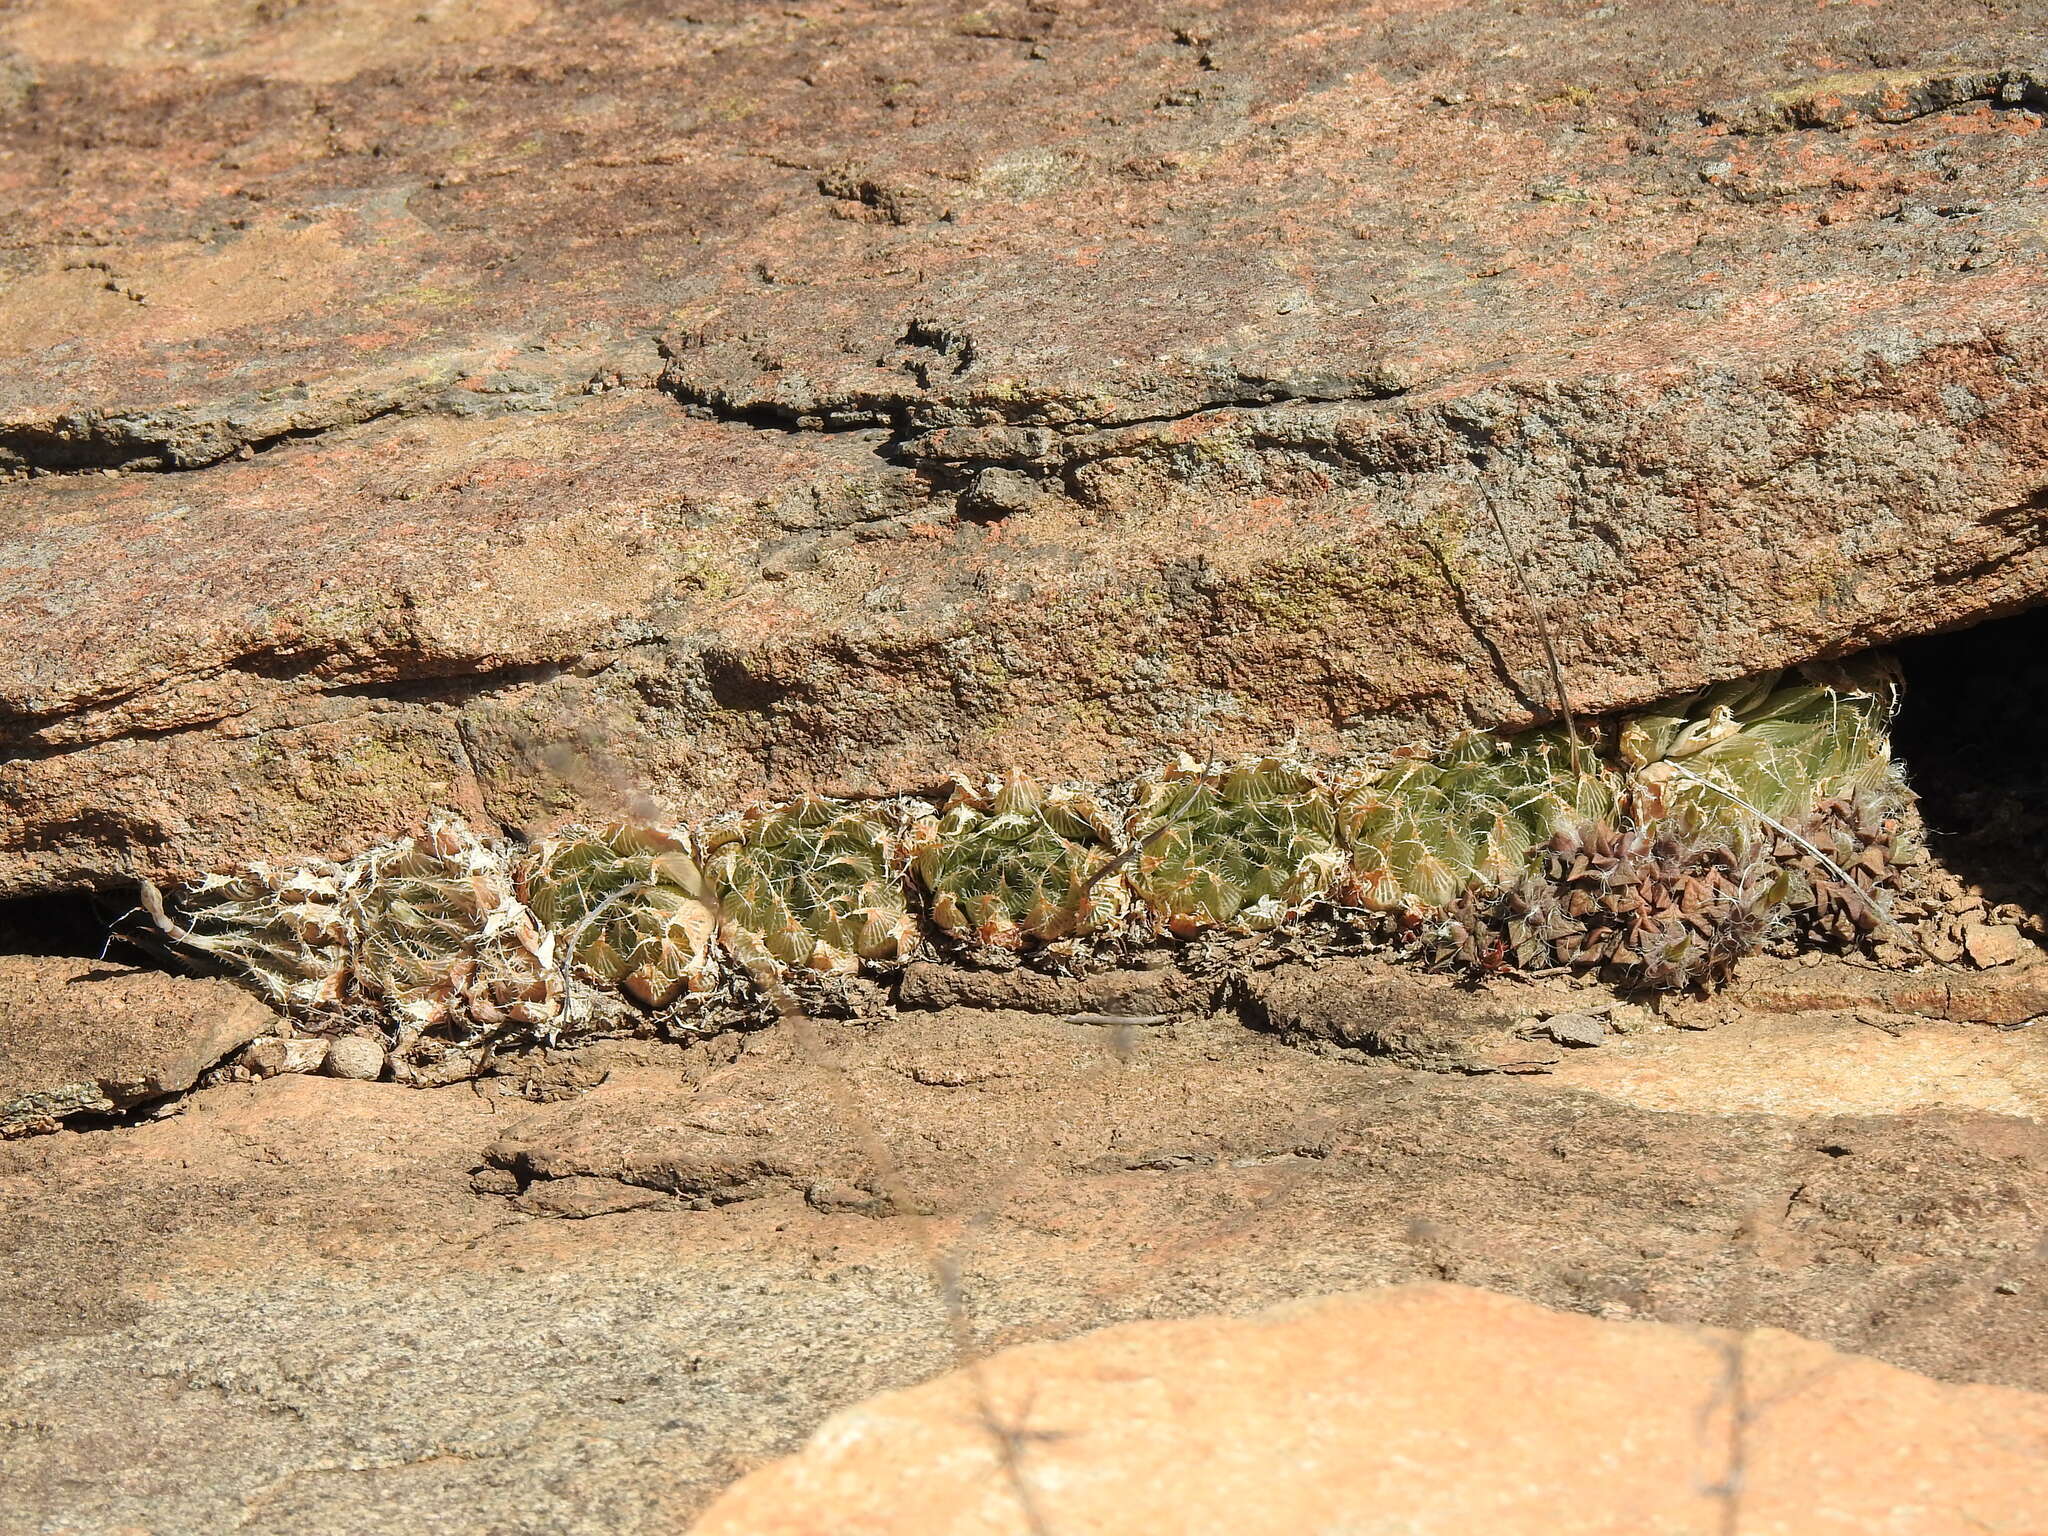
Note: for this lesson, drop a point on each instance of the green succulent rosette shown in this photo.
(1743, 756)
(1424, 830)
(818, 883)
(628, 905)
(1249, 844)
(1007, 863)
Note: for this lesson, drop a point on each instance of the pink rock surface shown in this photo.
(1419, 1409)
(829, 396)
(87, 1036)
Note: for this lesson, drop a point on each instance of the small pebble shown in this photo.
(356, 1058)
(1580, 1029)
(272, 1057)
(1988, 945)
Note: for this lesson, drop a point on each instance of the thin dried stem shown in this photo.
(151, 900)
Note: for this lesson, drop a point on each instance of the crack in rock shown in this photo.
(192, 437)
(1836, 102)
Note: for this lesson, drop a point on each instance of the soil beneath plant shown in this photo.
(587, 1292)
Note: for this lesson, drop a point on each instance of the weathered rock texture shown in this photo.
(1426, 1409)
(80, 1037)
(830, 395)
(344, 1308)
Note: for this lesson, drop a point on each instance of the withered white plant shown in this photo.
(438, 932)
(285, 930)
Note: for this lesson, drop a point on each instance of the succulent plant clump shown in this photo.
(1871, 848)
(1251, 844)
(1748, 754)
(1649, 907)
(629, 907)
(440, 936)
(283, 929)
(1426, 829)
(1749, 810)
(1007, 863)
(1657, 851)
(820, 884)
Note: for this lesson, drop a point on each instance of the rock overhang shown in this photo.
(1047, 411)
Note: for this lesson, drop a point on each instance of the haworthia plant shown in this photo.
(1425, 829)
(1251, 844)
(439, 932)
(1739, 807)
(1657, 849)
(629, 905)
(284, 930)
(1748, 757)
(1007, 864)
(820, 883)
